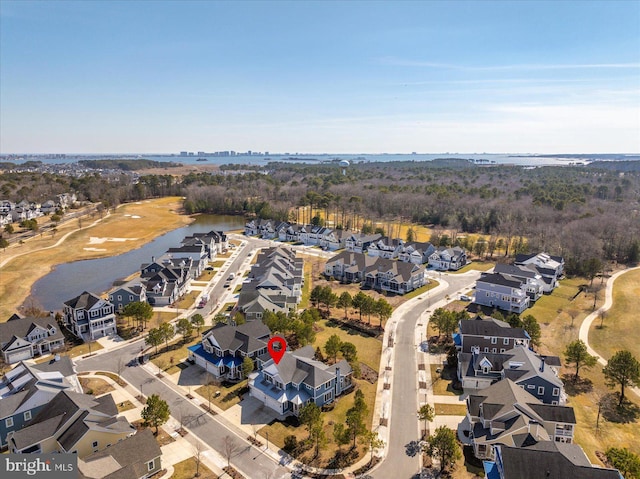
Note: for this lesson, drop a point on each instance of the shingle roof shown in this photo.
(491, 327)
(244, 338)
(500, 279)
(85, 300)
(20, 327)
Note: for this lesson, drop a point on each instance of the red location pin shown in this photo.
(276, 354)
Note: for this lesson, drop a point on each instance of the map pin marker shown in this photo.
(276, 354)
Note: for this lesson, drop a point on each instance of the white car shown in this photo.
(464, 297)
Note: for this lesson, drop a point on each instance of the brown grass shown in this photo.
(620, 327)
(450, 409)
(187, 470)
(228, 396)
(18, 275)
(95, 386)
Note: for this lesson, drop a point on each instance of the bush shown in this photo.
(290, 443)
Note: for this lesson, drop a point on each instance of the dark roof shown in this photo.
(499, 279)
(244, 337)
(552, 460)
(551, 413)
(490, 327)
(74, 432)
(514, 270)
(20, 327)
(552, 360)
(63, 365)
(86, 300)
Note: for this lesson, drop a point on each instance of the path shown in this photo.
(586, 324)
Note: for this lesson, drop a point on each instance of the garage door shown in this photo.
(19, 356)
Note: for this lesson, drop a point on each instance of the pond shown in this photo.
(68, 280)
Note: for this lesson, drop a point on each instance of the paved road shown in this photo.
(402, 459)
(210, 429)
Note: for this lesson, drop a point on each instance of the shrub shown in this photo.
(290, 443)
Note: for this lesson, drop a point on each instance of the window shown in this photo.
(505, 341)
(151, 465)
(94, 444)
(554, 403)
(8, 422)
(531, 386)
(494, 350)
(502, 350)
(327, 397)
(556, 391)
(486, 350)
(540, 389)
(494, 340)
(119, 297)
(27, 415)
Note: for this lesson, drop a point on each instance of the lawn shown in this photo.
(187, 470)
(125, 406)
(84, 348)
(554, 313)
(620, 327)
(95, 386)
(441, 387)
(229, 395)
(417, 292)
(218, 264)
(450, 409)
(369, 349)
(306, 287)
(153, 218)
(475, 266)
(167, 360)
(187, 300)
(278, 431)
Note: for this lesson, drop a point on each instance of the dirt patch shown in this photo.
(368, 374)
(95, 386)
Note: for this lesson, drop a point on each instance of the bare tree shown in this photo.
(197, 456)
(120, 365)
(229, 448)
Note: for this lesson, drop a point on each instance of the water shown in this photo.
(68, 280)
(500, 159)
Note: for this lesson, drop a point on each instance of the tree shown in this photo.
(368, 307)
(531, 326)
(167, 331)
(140, 311)
(384, 310)
(154, 338)
(197, 321)
(355, 417)
(444, 321)
(358, 301)
(426, 413)
(373, 442)
(3, 243)
(156, 412)
(443, 446)
(349, 351)
(625, 461)
(309, 416)
(247, 366)
(576, 353)
(332, 347)
(239, 318)
(411, 235)
(623, 369)
(219, 318)
(197, 456)
(229, 448)
(345, 302)
(8, 229)
(316, 296)
(185, 328)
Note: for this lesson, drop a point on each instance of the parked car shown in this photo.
(209, 268)
(464, 297)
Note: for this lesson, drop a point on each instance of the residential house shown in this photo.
(48, 207)
(224, 347)
(478, 370)
(197, 252)
(488, 336)
(358, 243)
(542, 260)
(532, 281)
(394, 276)
(274, 283)
(502, 291)
(165, 283)
(215, 242)
(386, 248)
(506, 414)
(544, 459)
(348, 266)
(72, 423)
(335, 239)
(297, 380)
(416, 253)
(24, 338)
(135, 457)
(27, 388)
(129, 292)
(88, 316)
(448, 259)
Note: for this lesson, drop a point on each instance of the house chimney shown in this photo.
(542, 364)
(338, 385)
(153, 259)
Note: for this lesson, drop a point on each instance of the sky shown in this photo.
(331, 76)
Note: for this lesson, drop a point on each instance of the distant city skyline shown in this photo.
(311, 77)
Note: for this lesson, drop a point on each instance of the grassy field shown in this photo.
(554, 313)
(134, 224)
(167, 360)
(441, 387)
(475, 266)
(95, 386)
(450, 409)
(187, 470)
(620, 327)
(369, 349)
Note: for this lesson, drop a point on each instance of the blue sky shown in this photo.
(343, 77)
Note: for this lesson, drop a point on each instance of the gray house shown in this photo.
(24, 338)
(488, 336)
(502, 291)
(478, 370)
(532, 281)
(130, 292)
